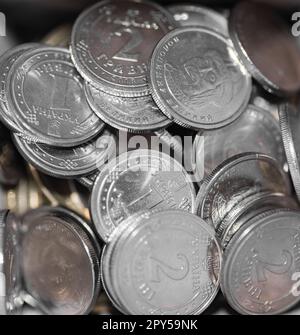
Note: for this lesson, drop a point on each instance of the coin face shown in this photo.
(174, 256)
(236, 179)
(112, 42)
(263, 256)
(255, 131)
(192, 15)
(68, 162)
(60, 262)
(272, 48)
(136, 181)
(138, 114)
(204, 88)
(47, 97)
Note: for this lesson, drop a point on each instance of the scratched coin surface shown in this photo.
(236, 179)
(172, 263)
(260, 262)
(139, 114)
(197, 80)
(68, 162)
(139, 180)
(47, 96)
(272, 55)
(112, 42)
(255, 131)
(60, 261)
(193, 15)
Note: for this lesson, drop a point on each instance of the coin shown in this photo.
(112, 42)
(197, 80)
(271, 55)
(46, 94)
(59, 37)
(140, 180)
(60, 261)
(88, 181)
(171, 256)
(236, 179)
(255, 131)
(259, 264)
(138, 114)
(193, 15)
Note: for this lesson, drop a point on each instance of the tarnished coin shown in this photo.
(260, 263)
(68, 162)
(46, 94)
(139, 180)
(255, 131)
(60, 262)
(236, 179)
(112, 42)
(266, 46)
(138, 114)
(193, 15)
(197, 80)
(165, 263)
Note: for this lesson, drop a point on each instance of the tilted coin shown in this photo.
(272, 55)
(164, 263)
(88, 181)
(197, 80)
(137, 114)
(112, 42)
(59, 37)
(60, 262)
(259, 264)
(236, 179)
(135, 181)
(193, 15)
(46, 94)
(67, 162)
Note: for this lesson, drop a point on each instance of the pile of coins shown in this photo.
(178, 128)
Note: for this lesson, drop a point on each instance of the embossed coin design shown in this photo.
(112, 42)
(272, 55)
(180, 262)
(197, 80)
(47, 96)
(263, 255)
(139, 180)
(133, 114)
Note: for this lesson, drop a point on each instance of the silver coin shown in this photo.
(139, 180)
(255, 131)
(180, 262)
(88, 181)
(6, 61)
(138, 114)
(68, 162)
(197, 80)
(259, 264)
(236, 179)
(46, 94)
(60, 261)
(193, 15)
(112, 42)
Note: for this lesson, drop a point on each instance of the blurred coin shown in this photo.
(139, 180)
(112, 42)
(59, 37)
(46, 94)
(272, 55)
(260, 262)
(197, 80)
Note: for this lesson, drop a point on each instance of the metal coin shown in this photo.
(197, 80)
(272, 55)
(236, 179)
(139, 180)
(112, 42)
(259, 264)
(60, 262)
(138, 114)
(88, 181)
(46, 94)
